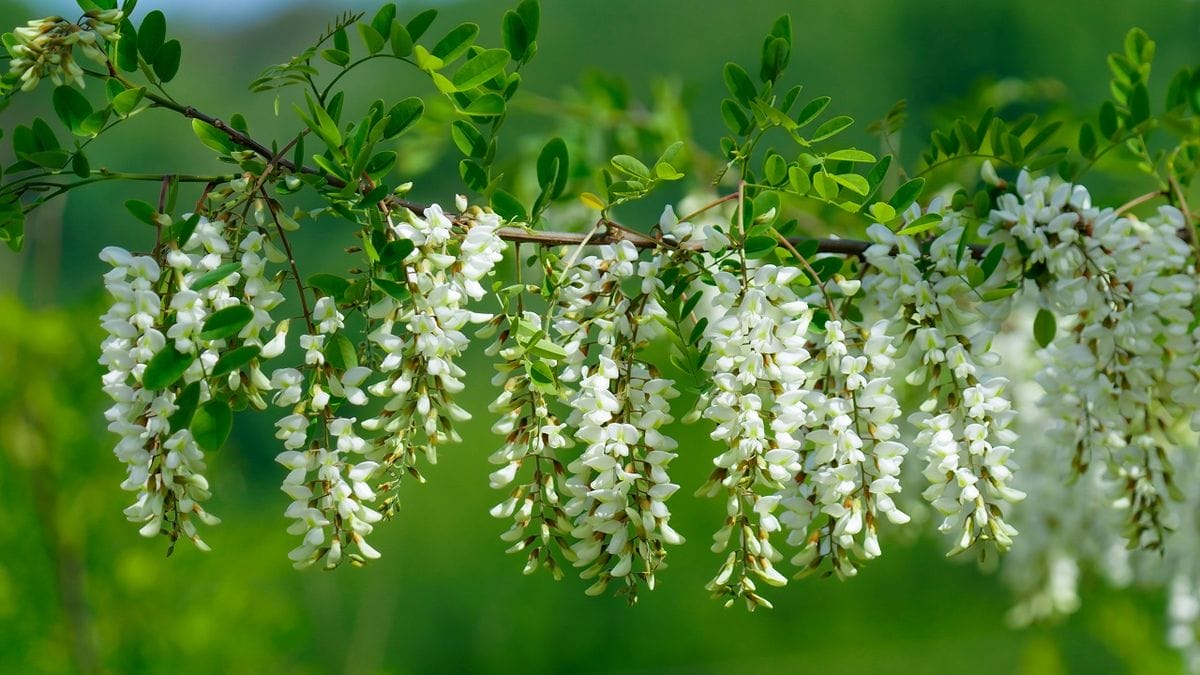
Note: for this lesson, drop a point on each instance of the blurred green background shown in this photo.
(80, 591)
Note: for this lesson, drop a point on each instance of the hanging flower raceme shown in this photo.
(618, 486)
(439, 276)
(173, 333)
(534, 439)
(852, 455)
(45, 47)
(327, 472)
(1114, 382)
(759, 401)
(934, 303)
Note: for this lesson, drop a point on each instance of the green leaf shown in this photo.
(383, 20)
(632, 166)
(546, 349)
(1087, 141)
(508, 207)
(395, 289)
(212, 424)
(468, 139)
(341, 353)
(812, 110)
(336, 56)
(185, 407)
(402, 42)
(1041, 137)
(167, 366)
(381, 164)
(759, 246)
(530, 13)
(1109, 127)
(403, 115)
(216, 276)
(341, 41)
(1139, 104)
(124, 102)
(739, 83)
(394, 252)
(456, 42)
(71, 106)
(998, 293)
(127, 48)
(49, 159)
(855, 182)
(371, 37)
(329, 284)
(552, 167)
(992, 260)
(515, 35)
(141, 210)
(850, 155)
(94, 123)
(967, 134)
(151, 34)
(226, 322)
(735, 119)
(473, 174)
(775, 169)
(80, 165)
(907, 194)
(45, 135)
(827, 187)
(832, 127)
(235, 359)
(799, 180)
(775, 55)
(490, 104)
(1044, 327)
(166, 62)
(480, 68)
(827, 267)
(882, 212)
(782, 28)
(420, 23)
(923, 224)
(212, 137)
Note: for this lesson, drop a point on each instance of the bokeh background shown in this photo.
(80, 591)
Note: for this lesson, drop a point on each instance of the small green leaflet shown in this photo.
(226, 322)
(923, 224)
(1044, 327)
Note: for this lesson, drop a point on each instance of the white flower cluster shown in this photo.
(852, 455)
(618, 486)
(759, 402)
(963, 426)
(534, 438)
(1115, 386)
(336, 474)
(45, 47)
(164, 315)
(443, 273)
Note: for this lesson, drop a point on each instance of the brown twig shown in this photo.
(287, 248)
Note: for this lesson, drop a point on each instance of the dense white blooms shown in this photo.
(852, 455)
(162, 311)
(618, 486)
(1123, 290)
(927, 294)
(759, 403)
(331, 475)
(422, 335)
